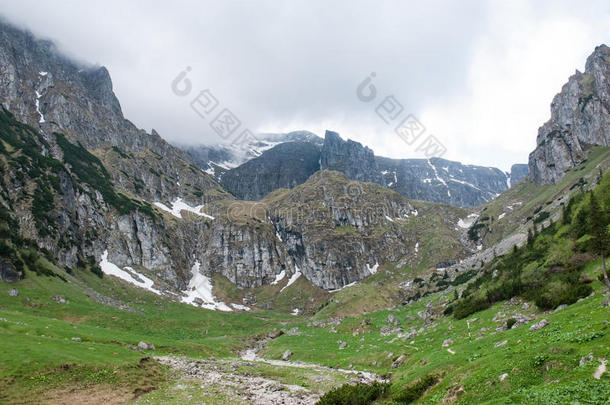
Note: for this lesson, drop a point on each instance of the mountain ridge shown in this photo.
(435, 180)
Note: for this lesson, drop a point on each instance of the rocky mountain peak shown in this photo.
(580, 118)
(98, 82)
(349, 157)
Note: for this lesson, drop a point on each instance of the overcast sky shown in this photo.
(478, 75)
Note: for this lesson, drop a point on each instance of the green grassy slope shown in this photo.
(37, 351)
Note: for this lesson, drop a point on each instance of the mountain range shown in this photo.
(252, 171)
(87, 189)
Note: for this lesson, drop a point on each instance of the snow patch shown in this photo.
(37, 102)
(126, 274)
(43, 73)
(279, 277)
(502, 215)
(389, 219)
(373, 269)
(416, 247)
(179, 205)
(240, 307)
(200, 287)
(438, 178)
(468, 221)
(345, 286)
(292, 279)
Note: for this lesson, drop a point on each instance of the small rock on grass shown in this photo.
(585, 359)
(77, 339)
(13, 292)
(286, 356)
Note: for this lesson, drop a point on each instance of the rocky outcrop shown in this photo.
(349, 157)
(518, 172)
(580, 119)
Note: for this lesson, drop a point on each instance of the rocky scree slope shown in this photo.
(580, 118)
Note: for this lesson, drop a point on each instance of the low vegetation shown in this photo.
(548, 269)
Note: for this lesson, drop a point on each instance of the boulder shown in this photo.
(286, 355)
(77, 339)
(13, 292)
(447, 342)
(275, 334)
(392, 320)
(146, 346)
(399, 361)
(539, 325)
(8, 273)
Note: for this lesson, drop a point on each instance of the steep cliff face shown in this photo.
(349, 157)
(68, 208)
(284, 166)
(331, 230)
(580, 118)
(518, 172)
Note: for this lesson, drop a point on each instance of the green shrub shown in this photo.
(359, 394)
(469, 306)
(96, 269)
(32, 260)
(416, 390)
